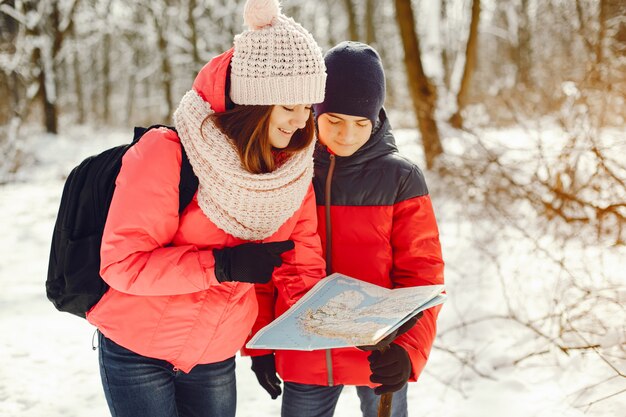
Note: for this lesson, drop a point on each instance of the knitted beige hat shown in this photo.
(276, 61)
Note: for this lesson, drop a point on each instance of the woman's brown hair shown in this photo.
(247, 127)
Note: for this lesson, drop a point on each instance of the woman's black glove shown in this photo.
(391, 368)
(386, 341)
(265, 369)
(250, 262)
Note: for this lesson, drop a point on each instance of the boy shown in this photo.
(377, 224)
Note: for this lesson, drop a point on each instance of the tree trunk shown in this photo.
(45, 92)
(445, 61)
(166, 77)
(49, 107)
(582, 27)
(456, 119)
(614, 16)
(423, 92)
(93, 90)
(617, 10)
(524, 58)
(132, 86)
(106, 78)
(166, 71)
(332, 40)
(10, 108)
(370, 25)
(353, 30)
(49, 26)
(601, 33)
(78, 83)
(49, 77)
(195, 54)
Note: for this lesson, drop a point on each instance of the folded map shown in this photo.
(340, 311)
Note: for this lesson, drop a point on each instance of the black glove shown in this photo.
(386, 341)
(391, 368)
(250, 262)
(265, 369)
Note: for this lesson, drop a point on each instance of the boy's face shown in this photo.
(343, 134)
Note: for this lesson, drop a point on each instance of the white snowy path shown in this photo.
(48, 367)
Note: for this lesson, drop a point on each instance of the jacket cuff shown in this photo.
(255, 352)
(207, 262)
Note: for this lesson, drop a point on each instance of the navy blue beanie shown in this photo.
(355, 83)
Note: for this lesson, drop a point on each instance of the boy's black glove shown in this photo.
(265, 369)
(386, 341)
(391, 368)
(250, 262)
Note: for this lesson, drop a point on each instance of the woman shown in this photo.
(182, 300)
(377, 224)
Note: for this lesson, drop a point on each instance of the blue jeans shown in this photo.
(301, 400)
(136, 386)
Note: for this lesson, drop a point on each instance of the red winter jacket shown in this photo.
(384, 232)
(164, 301)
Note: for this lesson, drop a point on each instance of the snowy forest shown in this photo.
(514, 109)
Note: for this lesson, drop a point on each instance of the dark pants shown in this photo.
(302, 400)
(136, 386)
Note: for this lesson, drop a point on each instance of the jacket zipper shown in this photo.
(329, 240)
(329, 257)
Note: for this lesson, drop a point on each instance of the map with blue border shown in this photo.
(340, 311)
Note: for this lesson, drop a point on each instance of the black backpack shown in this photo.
(74, 284)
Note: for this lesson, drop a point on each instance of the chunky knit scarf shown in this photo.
(245, 205)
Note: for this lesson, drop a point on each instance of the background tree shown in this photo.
(456, 119)
(523, 50)
(118, 63)
(423, 92)
(353, 29)
(48, 34)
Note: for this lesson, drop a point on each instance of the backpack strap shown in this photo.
(188, 184)
(140, 131)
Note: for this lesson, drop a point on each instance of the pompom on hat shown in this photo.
(275, 61)
(257, 14)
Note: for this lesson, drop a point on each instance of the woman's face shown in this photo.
(343, 134)
(284, 121)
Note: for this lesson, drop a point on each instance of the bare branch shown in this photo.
(464, 361)
(12, 12)
(595, 349)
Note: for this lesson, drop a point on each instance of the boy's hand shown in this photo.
(391, 368)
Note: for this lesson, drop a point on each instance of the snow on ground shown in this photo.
(49, 369)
